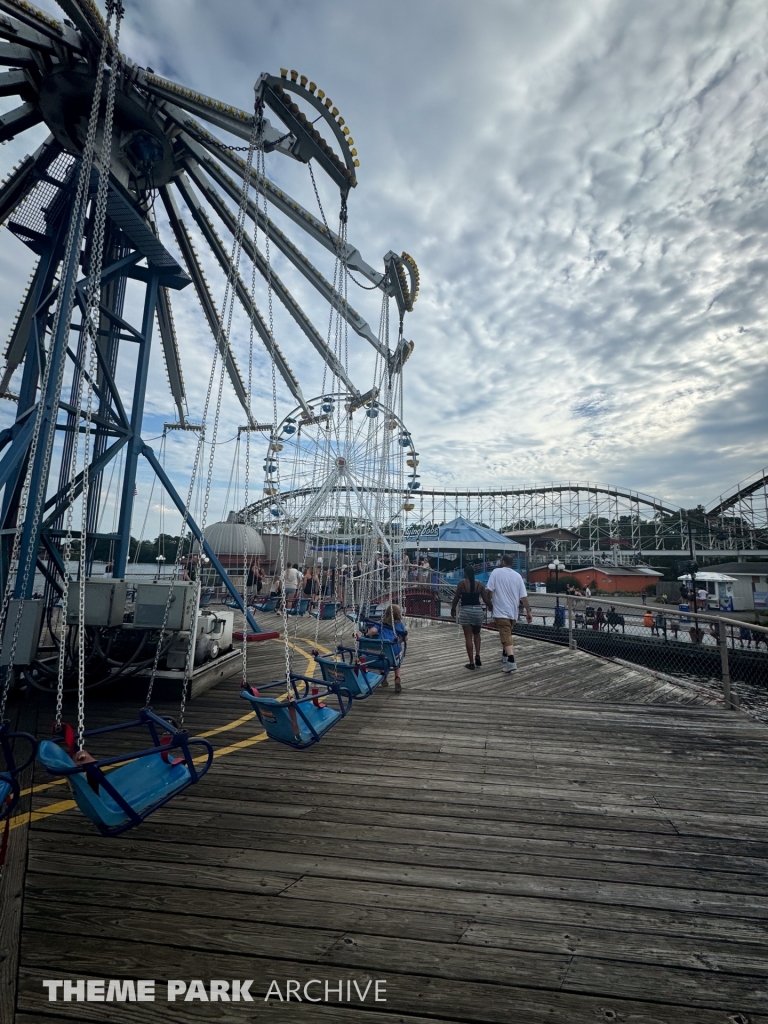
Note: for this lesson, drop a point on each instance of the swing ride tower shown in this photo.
(120, 137)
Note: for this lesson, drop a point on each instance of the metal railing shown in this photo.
(715, 650)
(676, 641)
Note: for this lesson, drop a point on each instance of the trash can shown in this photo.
(559, 616)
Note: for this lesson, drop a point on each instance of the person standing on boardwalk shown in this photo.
(469, 593)
(292, 584)
(508, 592)
(255, 577)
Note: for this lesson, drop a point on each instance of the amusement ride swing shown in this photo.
(105, 112)
(345, 481)
(115, 792)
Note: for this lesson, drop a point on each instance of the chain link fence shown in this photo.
(721, 651)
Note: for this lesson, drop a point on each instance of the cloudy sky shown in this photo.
(583, 186)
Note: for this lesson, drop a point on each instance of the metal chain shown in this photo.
(237, 246)
(183, 530)
(64, 306)
(322, 212)
(347, 271)
(334, 430)
(246, 483)
(240, 149)
(91, 324)
(261, 174)
(365, 287)
(220, 336)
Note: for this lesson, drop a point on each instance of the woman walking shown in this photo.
(469, 593)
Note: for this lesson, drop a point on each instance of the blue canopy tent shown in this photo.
(463, 541)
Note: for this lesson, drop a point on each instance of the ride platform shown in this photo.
(575, 842)
(204, 676)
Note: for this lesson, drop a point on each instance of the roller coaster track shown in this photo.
(738, 522)
(743, 490)
(634, 497)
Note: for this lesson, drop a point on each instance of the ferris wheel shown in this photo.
(338, 473)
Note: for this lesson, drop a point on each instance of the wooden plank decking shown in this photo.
(578, 842)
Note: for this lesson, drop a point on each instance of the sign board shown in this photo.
(422, 531)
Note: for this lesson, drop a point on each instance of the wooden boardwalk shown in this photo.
(577, 842)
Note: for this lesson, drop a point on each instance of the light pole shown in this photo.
(556, 568)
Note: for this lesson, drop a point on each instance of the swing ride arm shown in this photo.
(238, 122)
(204, 295)
(32, 27)
(285, 245)
(315, 228)
(178, 501)
(268, 273)
(171, 353)
(217, 247)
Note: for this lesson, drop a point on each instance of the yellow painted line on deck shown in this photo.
(242, 744)
(44, 812)
(250, 741)
(227, 727)
(319, 647)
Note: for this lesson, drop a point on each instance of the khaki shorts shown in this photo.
(505, 627)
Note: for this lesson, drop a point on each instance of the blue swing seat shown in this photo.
(389, 652)
(327, 610)
(9, 787)
(358, 680)
(301, 608)
(367, 615)
(9, 795)
(302, 720)
(140, 783)
(267, 606)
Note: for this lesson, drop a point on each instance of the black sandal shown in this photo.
(477, 661)
(470, 665)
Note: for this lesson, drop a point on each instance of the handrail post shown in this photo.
(571, 643)
(731, 698)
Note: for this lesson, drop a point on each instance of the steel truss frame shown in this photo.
(160, 145)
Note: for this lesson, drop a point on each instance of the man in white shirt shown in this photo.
(508, 592)
(292, 584)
